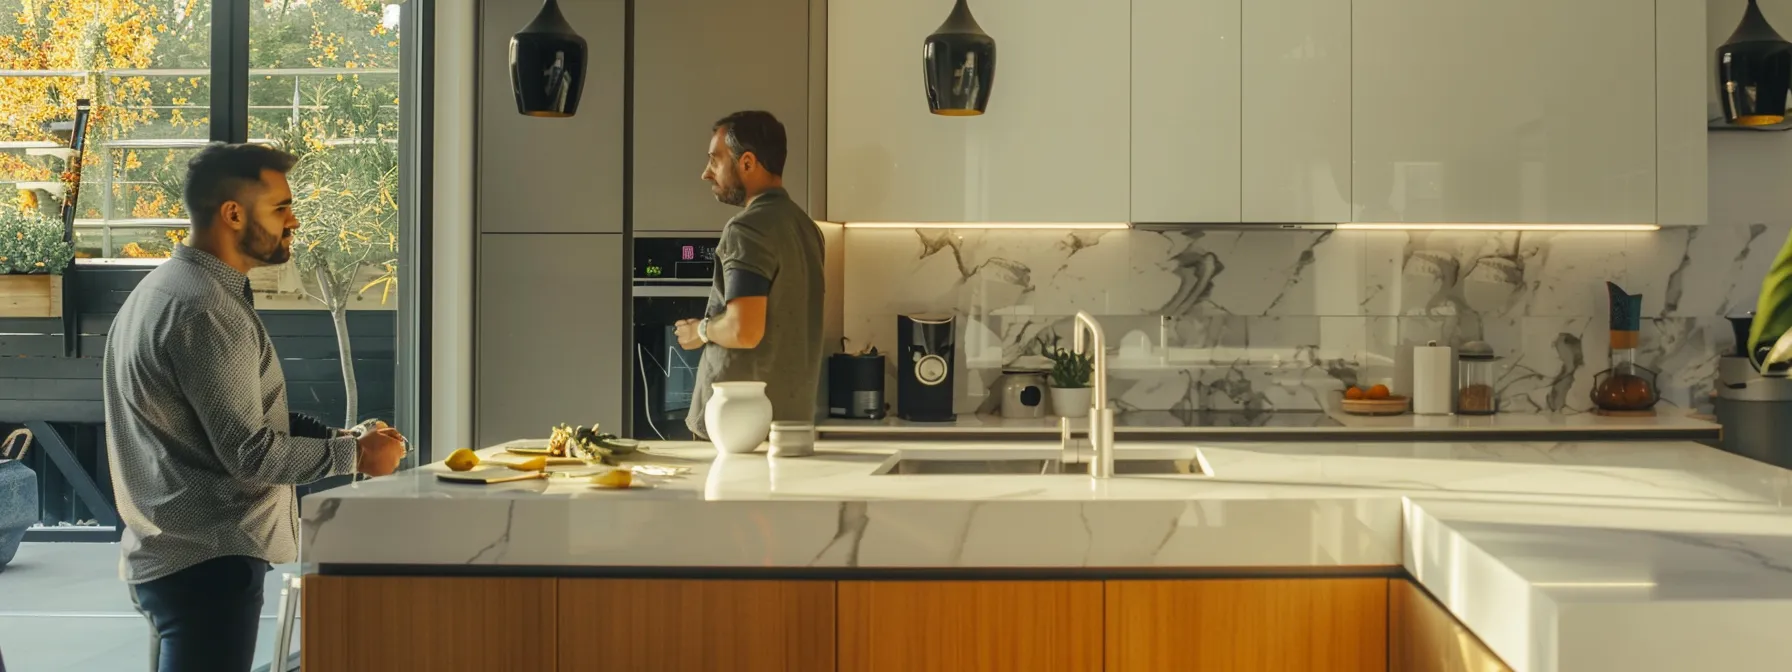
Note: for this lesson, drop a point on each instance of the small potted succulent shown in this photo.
(1070, 383)
(33, 256)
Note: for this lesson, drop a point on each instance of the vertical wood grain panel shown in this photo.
(989, 626)
(402, 624)
(1243, 625)
(666, 625)
(1423, 637)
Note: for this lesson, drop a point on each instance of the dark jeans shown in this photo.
(203, 618)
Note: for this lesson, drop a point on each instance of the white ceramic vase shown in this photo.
(1071, 402)
(738, 416)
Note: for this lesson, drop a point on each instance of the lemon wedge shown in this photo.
(615, 478)
(531, 464)
(462, 460)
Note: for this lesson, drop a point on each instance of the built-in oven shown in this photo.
(672, 277)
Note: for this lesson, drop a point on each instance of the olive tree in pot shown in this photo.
(345, 195)
(1070, 383)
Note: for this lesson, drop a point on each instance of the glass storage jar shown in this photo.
(1475, 376)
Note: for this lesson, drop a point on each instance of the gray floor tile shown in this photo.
(63, 607)
(87, 643)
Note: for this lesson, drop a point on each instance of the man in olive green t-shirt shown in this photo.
(763, 322)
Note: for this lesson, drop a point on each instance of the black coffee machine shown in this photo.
(856, 385)
(924, 355)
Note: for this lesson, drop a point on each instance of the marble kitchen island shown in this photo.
(1285, 556)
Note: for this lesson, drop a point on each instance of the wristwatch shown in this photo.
(703, 330)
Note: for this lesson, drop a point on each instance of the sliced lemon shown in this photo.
(531, 464)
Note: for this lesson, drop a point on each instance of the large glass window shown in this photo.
(146, 67)
(319, 78)
(323, 82)
(324, 85)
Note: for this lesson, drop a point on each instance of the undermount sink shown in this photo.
(997, 462)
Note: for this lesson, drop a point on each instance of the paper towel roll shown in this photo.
(1432, 366)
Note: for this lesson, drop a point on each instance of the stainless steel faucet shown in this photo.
(1101, 418)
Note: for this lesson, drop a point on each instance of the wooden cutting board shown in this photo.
(490, 476)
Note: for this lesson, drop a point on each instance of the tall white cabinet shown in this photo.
(1053, 146)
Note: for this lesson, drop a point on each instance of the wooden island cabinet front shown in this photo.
(397, 624)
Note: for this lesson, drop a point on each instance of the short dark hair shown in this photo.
(220, 172)
(755, 131)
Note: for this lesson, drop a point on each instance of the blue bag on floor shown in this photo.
(18, 494)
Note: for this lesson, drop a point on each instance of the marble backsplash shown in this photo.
(1285, 319)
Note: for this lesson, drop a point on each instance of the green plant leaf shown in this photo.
(1773, 312)
(31, 242)
(1781, 352)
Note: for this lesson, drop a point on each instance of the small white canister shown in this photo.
(792, 438)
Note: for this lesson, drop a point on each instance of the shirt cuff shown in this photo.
(345, 454)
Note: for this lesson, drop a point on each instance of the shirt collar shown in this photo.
(769, 195)
(230, 279)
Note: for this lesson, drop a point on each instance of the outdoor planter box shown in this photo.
(34, 295)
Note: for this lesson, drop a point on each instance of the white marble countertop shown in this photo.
(1674, 423)
(1535, 546)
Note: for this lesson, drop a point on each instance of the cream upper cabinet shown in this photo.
(1296, 102)
(1241, 111)
(1684, 77)
(1185, 110)
(1514, 111)
(1053, 146)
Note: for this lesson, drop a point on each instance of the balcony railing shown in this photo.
(103, 179)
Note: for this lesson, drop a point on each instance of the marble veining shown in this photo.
(1330, 504)
(1286, 319)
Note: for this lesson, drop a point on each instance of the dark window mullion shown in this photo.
(416, 128)
(230, 70)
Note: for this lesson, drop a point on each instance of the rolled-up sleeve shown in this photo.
(224, 385)
(745, 247)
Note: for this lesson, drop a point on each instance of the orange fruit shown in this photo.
(1353, 393)
(1378, 392)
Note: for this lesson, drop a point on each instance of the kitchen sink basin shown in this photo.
(1142, 462)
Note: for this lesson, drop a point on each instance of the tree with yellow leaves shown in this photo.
(346, 199)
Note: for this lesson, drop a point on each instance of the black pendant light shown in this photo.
(547, 65)
(1754, 72)
(959, 62)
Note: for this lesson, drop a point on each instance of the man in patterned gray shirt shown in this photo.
(204, 453)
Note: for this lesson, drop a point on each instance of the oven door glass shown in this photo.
(665, 374)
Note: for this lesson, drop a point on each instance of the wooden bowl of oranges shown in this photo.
(1375, 400)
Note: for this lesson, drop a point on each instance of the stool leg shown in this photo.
(289, 606)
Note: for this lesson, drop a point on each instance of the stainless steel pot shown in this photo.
(1755, 411)
(1023, 393)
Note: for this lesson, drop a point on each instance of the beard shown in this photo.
(731, 194)
(268, 248)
